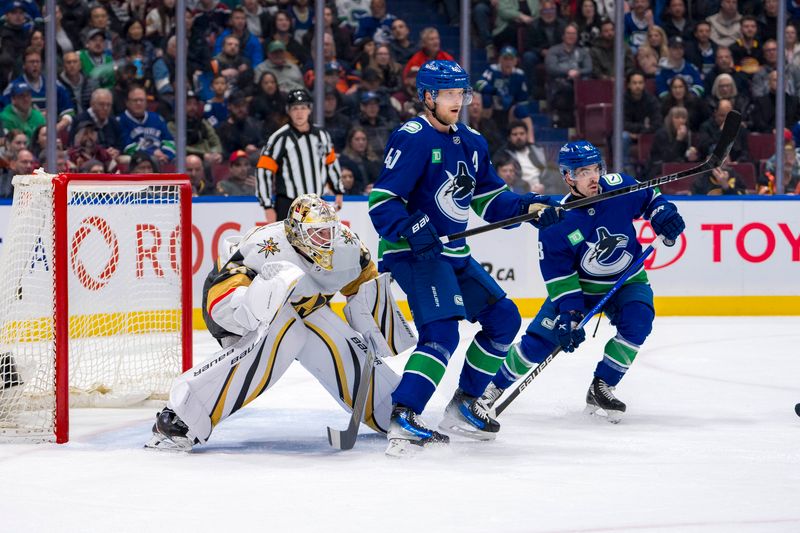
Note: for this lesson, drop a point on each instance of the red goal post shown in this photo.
(96, 300)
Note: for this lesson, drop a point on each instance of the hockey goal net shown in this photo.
(95, 296)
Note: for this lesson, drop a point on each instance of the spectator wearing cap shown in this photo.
(401, 44)
(248, 43)
(96, 61)
(603, 56)
(746, 50)
(377, 25)
(430, 49)
(678, 66)
(268, 104)
(143, 163)
(32, 77)
(242, 179)
(21, 114)
(726, 23)
(503, 86)
(79, 86)
(143, 130)
(288, 74)
(377, 127)
(201, 139)
(240, 131)
(565, 63)
(202, 183)
(636, 23)
(371, 83)
(546, 32)
(299, 158)
(15, 32)
(85, 147)
(100, 110)
(337, 123)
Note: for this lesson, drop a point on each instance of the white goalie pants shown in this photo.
(322, 342)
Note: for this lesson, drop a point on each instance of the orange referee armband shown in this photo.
(267, 163)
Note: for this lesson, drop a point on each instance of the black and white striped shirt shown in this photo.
(294, 163)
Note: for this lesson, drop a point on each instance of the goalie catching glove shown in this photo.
(262, 299)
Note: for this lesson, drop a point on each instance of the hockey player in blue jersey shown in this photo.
(580, 260)
(435, 170)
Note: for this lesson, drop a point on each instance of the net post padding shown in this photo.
(95, 300)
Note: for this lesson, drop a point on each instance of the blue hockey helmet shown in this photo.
(440, 74)
(577, 154)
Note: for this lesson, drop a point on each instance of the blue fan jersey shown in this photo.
(441, 174)
(588, 251)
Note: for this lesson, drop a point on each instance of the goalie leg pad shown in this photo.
(334, 353)
(218, 387)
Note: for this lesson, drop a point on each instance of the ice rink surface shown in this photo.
(710, 443)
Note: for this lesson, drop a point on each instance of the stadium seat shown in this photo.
(593, 110)
(748, 174)
(760, 145)
(644, 146)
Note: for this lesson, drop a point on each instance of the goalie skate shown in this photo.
(600, 401)
(170, 433)
(469, 417)
(407, 434)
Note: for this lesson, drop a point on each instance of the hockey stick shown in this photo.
(531, 375)
(345, 440)
(728, 136)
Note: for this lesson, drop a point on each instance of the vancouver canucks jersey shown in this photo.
(588, 251)
(442, 175)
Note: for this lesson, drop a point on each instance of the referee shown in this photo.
(297, 159)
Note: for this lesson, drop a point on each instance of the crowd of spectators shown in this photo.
(116, 81)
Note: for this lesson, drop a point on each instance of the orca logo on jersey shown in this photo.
(455, 194)
(607, 256)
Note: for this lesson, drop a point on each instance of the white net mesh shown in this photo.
(124, 299)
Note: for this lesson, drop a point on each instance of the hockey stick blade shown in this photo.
(498, 408)
(728, 136)
(345, 440)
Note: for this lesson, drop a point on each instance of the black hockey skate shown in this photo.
(600, 400)
(468, 416)
(170, 433)
(407, 433)
(490, 396)
(797, 409)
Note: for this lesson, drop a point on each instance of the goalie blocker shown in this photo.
(303, 328)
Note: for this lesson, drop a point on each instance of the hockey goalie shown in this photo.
(266, 303)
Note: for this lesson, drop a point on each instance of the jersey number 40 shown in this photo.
(391, 157)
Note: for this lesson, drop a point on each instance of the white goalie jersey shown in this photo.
(243, 257)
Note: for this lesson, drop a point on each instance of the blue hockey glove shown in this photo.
(667, 222)
(548, 214)
(422, 237)
(569, 335)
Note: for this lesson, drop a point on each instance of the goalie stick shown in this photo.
(345, 440)
(728, 136)
(535, 371)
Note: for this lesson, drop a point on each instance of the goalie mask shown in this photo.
(311, 227)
